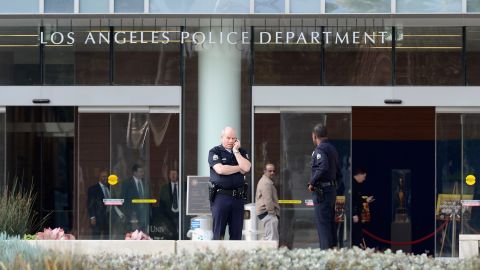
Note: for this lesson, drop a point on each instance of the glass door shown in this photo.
(284, 139)
(40, 154)
(458, 144)
(141, 149)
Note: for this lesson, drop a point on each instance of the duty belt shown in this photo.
(237, 193)
(326, 184)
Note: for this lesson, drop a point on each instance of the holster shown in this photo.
(245, 191)
(319, 191)
(212, 192)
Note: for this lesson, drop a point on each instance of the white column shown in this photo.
(219, 97)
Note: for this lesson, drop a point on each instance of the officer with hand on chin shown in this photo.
(326, 173)
(228, 165)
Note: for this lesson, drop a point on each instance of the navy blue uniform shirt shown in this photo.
(325, 164)
(219, 154)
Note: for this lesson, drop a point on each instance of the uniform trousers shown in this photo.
(227, 210)
(325, 217)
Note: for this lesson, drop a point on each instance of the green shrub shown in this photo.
(16, 210)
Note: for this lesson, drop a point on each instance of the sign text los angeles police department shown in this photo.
(165, 37)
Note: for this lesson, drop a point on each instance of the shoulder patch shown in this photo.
(215, 157)
(319, 156)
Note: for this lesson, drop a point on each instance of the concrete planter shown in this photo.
(118, 247)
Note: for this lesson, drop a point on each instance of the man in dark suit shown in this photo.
(137, 214)
(97, 210)
(168, 207)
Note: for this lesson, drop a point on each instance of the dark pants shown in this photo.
(325, 218)
(357, 234)
(227, 210)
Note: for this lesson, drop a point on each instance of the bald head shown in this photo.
(228, 137)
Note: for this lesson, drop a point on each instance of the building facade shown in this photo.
(92, 85)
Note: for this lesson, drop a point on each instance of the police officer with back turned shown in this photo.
(228, 165)
(325, 174)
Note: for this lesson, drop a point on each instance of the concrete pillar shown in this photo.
(219, 96)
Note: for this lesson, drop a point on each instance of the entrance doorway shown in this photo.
(40, 153)
(396, 146)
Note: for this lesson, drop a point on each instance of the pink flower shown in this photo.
(55, 234)
(137, 235)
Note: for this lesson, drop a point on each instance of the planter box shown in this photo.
(468, 245)
(193, 246)
(109, 246)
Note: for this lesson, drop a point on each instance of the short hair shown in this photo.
(320, 131)
(358, 171)
(135, 167)
(268, 163)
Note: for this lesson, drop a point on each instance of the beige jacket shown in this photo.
(266, 199)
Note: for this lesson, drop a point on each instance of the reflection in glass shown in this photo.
(449, 177)
(40, 152)
(58, 6)
(80, 63)
(200, 6)
(429, 56)
(366, 63)
(429, 6)
(357, 6)
(284, 140)
(129, 144)
(147, 64)
(26, 6)
(473, 5)
(473, 55)
(94, 6)
(270, 59)
(129, 6)
(269, 6)
(304, 6)
(2, 150)
(19, 56)
(458, 143)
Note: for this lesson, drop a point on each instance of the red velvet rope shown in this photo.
(405, 243)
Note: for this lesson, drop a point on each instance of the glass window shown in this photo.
(2, 150)
(274, 62)
(429, 56)
(200, 6)
(473, 5)
(142, 150)
(429, 6)
(457, 157)
(365, 63)
(473, 56)
(147, 64)
(94, 6)
(78, 63)
(19, 56)
(304, 6)
(25, 6)
(40, 151)
(129, 6)
(283, 139)
(269, 6)
(58, 6)
(356, 6)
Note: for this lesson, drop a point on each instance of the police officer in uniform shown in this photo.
(326, 173)
(228, 165)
